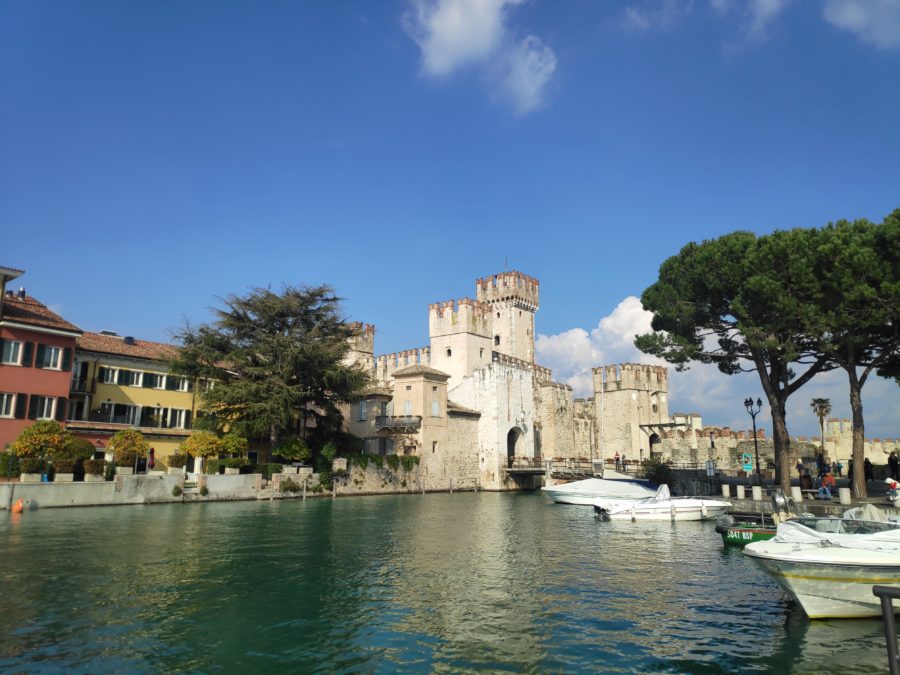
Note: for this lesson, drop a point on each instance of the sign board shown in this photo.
(747, 462)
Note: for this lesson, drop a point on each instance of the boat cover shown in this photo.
(867, 512)
(662, 494)
(882, 535)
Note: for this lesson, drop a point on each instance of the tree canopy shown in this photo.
(277, 361)
(786, 305)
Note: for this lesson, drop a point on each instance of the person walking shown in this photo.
(869, 470)
(618, 461)
(893, 465)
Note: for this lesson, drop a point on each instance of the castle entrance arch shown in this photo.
(655, 445)
(515, 445)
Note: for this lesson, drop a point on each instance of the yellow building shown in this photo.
(121, 382)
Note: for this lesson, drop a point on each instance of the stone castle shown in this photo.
(480, 412)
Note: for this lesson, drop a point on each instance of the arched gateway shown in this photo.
(515, 445)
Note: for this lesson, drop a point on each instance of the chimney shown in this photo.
(128, 340)
(21, 292)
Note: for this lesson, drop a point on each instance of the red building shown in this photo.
(36, 351)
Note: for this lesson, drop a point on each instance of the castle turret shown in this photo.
(514, 298)
(460, 335)
(362, 347)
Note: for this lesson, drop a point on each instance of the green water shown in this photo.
(448, 583)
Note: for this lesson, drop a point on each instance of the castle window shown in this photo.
(363, 411)
(449, 352)
(655, 408)
(409, 387)
(497, 340)
(433, 446)
(407, 408)
(434, 389)
(481, 353)
(435, 409)
(498, 315)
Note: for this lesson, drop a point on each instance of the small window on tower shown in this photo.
(449, 352)
(481, 353)
(498, 315)
(497, 340)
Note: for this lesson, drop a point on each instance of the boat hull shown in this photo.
(741, 535)
(584, 492)
(828, 589)
(674, 512)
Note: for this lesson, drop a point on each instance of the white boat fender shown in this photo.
(633, 516)
(703, 511)
(673, 511)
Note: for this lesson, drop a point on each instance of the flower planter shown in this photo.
(231, 471)
(64, 478)
(30, 478)
(124, 470)
(176, 470)
(304, 471)
(93, 478)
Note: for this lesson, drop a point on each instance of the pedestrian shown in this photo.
(840, 469)
(868, 470)
(820, 465)
(799, 468)
(850, 470)
(618, 462)
(624, 468)
(827, 486)
(893, 465)
(834, 469)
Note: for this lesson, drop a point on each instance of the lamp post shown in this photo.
(748, 404)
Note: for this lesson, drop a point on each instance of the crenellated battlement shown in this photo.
(506, 360)
(387, 364)
(459, 316)
(543, 374)
(631, 376)
(512, 286)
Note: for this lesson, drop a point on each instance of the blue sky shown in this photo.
(154, 156)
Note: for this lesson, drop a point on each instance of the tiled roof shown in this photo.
(113, 344)
(461, 410)
(420, 370)
(33, 313)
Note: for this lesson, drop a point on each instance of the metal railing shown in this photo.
(398, 422)
(887, 594)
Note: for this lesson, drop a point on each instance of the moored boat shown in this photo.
(741, 534)
(829, 565)
(611, 486)
(662, 506)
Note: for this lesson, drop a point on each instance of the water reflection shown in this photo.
(458, 582)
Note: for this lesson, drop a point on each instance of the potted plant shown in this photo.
(233, 464)
(176, 464)
(63, 468)
(292, 450)
(93, 470)
(127, 445)
(32, 469)
(9, 465)
(202, 445)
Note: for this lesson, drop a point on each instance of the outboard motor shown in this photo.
(723, 522)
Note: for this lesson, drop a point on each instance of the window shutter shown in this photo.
(21, 399)
(101, 374)
(33, 406)
(60, 409)
(39, 359)
(67, 359)
(26, 357)
(1, 348)
(171, 382)
(187, 419)
(149, 380)
(122, 376)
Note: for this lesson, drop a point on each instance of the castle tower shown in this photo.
(514, 298)
(362, 347)
(630, 399)
(460, 335)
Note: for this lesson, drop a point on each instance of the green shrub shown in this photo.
(268, 469)
(214, 466)
(329, 452)
(41, 439)
(64, 465)
(177, 461)
(362, 461)
(289, 485)
(238, 462)
(293, 450)
(204, 490)
(393, 461)
(94, 466)
(129, 442)
(124, 459)
(109, 470)
(657, 472)
(176, 491)
(79, 449)
(378, 460)
(9, 464)
(32, 465)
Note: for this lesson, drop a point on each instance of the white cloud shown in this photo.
(659, 17)
(873, 21)
(455, 34)
(717, 397)
(761, 14)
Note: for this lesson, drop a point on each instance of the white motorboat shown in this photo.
(613, 485)
(662, 506)
(829, 565)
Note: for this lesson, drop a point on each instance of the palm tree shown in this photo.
(822, 408)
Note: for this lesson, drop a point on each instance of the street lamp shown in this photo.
(748, 404)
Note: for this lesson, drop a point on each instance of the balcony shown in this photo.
(399, 423)
(80, 385)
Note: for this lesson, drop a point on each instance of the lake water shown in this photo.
(443, 582)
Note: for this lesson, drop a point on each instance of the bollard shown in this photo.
(304, 489)
(796, 493)
(757, 493)
(844, 494)
(740, 492)
(726, 490)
